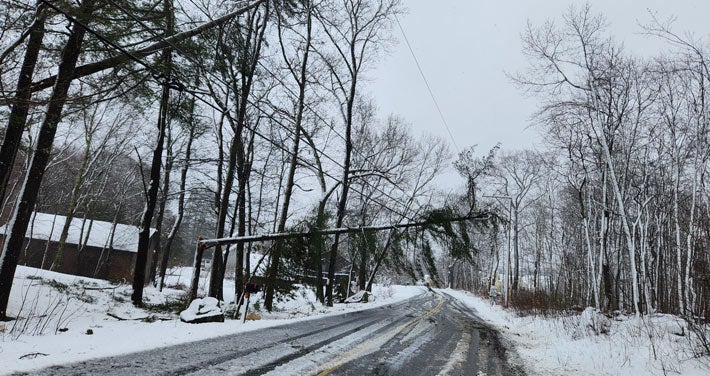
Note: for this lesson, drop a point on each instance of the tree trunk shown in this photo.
(622, 209)
(40, 159)
(590, 249)
(168, 14)
(21, 102)
(301, 79)
(516, 247)
(181, 201)
(169, 160)
(362, 263)
(73, 199)
(689, 294)
(340, 216)
(603, 249)
(238, 162)
(139, 279)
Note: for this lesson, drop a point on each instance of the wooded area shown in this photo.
(615, 213)
(208, 120)
(238, 119)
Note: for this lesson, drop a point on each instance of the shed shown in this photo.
(96, 249)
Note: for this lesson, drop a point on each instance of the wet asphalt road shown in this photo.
(431, 334)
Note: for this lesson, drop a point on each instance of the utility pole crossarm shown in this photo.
(208, 243)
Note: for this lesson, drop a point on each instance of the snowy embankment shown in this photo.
(565, 345)
(64, 318)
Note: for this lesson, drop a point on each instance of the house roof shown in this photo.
(95, 233)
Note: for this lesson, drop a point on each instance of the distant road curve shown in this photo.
(430, 334)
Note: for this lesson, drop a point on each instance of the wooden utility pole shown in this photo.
(208, 243)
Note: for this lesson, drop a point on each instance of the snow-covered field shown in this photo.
(65, 318)
(656, 345)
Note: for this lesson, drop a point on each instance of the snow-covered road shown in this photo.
(429, 334)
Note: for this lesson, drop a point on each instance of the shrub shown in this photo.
(536, 303)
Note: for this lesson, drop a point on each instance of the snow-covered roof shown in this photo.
(95, 233)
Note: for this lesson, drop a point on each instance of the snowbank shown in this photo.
(569, 345)
(57, 311)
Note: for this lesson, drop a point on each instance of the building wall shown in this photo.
(92, 262)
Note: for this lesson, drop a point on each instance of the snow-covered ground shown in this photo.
(564, 345)
(65, 318)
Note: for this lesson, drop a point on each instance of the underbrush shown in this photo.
(701, 335)
(46, 302)
(655, 343)
(540, 303)
(171, 305)
(47, 305)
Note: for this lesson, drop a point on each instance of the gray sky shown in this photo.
(465, 48)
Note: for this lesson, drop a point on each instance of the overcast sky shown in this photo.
(465, 47)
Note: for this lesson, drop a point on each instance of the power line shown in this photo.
(201, 65)
(426, 82)
(330, 126)
(143, 24)
(337, 163)
(306, 162)
(175, 84)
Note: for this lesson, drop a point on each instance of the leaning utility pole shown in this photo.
(202, 245)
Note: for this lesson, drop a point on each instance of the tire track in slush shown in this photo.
(374, 343)
(221, 364)
(452, 341)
